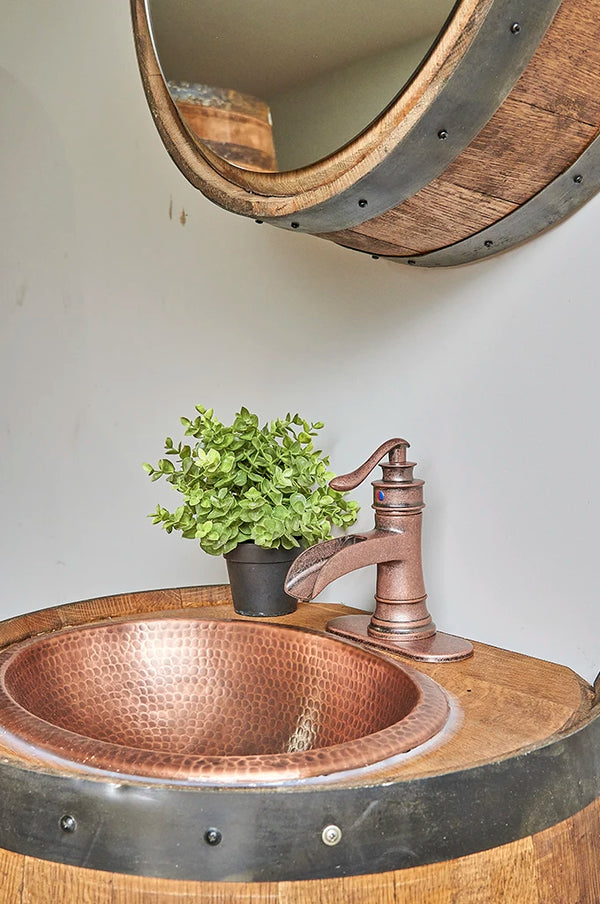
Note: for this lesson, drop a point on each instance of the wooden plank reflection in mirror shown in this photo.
(236, 126)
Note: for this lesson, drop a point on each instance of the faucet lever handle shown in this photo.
(397, 451)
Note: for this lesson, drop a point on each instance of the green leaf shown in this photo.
(227, 463)
(243, 481)
(213, 457)
(297, 503)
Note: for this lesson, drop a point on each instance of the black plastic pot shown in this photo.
(256, 576)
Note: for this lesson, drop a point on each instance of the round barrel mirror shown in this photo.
(432, 134)
(276, 85)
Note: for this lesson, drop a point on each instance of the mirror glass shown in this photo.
(278, 84)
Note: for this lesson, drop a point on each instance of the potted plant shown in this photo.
(256, 495)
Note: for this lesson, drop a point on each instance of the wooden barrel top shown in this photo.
(507, 702)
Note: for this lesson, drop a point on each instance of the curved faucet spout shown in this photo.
(318, 566)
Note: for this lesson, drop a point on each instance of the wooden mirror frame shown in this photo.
(494, 139)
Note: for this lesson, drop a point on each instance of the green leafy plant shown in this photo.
(244, 482)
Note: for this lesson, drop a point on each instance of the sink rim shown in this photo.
(20, 729)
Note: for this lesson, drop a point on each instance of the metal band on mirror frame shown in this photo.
(560, 198)
(501, 51)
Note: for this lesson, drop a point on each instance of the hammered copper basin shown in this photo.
(192, 699)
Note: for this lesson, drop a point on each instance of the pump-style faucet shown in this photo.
(401, 621)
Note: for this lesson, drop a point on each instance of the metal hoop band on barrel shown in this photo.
(265, 834)
(560, 198)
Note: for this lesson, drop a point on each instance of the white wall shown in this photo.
(117, 319)
(348, 99)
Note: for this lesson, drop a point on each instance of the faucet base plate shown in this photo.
(438, 648)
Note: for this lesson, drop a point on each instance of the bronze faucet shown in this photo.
(401, 621)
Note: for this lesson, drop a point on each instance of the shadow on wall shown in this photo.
(36, 173)
(343, 290)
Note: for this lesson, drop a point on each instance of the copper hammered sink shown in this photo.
(218, 702)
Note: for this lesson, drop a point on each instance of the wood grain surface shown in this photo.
(544, 125)
(505, 701)
(233, 125)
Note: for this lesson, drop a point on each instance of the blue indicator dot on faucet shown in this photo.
(380, 495)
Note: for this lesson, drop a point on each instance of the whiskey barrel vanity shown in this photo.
(504, 807)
